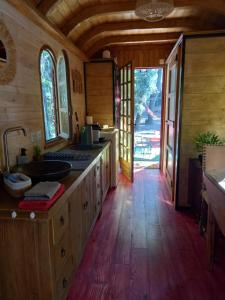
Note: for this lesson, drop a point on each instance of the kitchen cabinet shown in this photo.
(38, 255)
(100, 90)
(105, 166)
(196, 72)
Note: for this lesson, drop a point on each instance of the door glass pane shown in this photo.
(129, 91)
(125, 107)
(129, 73)
(128, 108)
(121, 76)
(125, 74)
(121, 107)
(125, 91)
(121, 92)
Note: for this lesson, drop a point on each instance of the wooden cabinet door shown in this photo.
(171, 133)
(126, 121)
(98, 188)
(75, 216)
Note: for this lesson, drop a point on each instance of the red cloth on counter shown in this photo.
(41, 205)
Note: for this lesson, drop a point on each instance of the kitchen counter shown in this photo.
(8, 204)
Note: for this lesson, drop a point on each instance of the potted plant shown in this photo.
(206, 138)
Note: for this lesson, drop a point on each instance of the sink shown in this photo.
(81, 147)
(45, 170)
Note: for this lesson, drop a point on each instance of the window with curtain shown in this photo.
(54, 96)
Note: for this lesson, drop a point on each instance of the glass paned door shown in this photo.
(126, 123)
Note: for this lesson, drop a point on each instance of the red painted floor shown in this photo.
(142, 249)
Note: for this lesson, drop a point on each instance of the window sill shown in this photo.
(54, 142)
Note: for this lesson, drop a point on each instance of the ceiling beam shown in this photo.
(37, 18)
(45, 6)
(137, 38)
(191, 23)
(98, 9)
(113, 7)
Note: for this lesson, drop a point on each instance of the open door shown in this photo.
(171, 133)
(126, 121)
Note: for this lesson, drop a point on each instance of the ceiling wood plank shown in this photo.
(45, 6)
(138, 38)
(216, 6)
(35, 16)
(96, 10)
(189, 23)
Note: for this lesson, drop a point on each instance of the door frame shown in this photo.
(178, 53)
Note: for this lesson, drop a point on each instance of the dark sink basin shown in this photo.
(45, 170)
(81, 147)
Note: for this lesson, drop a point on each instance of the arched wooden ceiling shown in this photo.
(94, 24)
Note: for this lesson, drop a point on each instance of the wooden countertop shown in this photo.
(8, 204)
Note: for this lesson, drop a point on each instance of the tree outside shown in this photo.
(147, 115)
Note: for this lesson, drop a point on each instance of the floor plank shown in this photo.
(142, 249)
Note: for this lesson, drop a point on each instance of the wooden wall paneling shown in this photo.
(21, 102)
(140, 55)
(203, 105)
(99, 91)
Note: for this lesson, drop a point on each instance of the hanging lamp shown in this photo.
(153, 10)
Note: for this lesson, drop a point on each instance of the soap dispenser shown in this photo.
(23, 158)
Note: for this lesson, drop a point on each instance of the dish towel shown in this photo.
(41, 205)
(42, 191)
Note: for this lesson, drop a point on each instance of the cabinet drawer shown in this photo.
(63, 283)
(61, 253)
(60, 223)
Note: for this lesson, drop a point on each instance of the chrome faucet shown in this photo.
(5, 143)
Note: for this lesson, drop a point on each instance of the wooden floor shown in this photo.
(143, 249)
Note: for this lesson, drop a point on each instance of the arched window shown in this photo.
(48, 86)
(55, 100)
(63, 97)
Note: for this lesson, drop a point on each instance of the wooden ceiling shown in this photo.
(95, 24)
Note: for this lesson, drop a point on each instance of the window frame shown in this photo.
(68, 88)
(58, 138)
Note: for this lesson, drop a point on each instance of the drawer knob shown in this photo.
(62, 222)
(63, 252)
(65, 283)
(14, 214)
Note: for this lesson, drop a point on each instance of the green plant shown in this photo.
(36, 152)
(207, 138)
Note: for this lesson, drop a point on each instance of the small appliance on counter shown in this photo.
(96, 132)
(86, 135)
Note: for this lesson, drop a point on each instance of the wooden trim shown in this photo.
(137, 25)
(91, 49)
(180, 88)
(93, 10)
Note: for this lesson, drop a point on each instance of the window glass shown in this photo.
(48, 81)
(63, 97)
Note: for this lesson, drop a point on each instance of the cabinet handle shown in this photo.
(63, 252)
(85, 205)
(64, 283)
(62, 220)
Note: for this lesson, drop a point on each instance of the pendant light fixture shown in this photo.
(153, 10)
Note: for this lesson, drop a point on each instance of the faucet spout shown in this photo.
(5, 143)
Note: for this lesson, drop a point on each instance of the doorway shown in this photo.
(148, 93)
